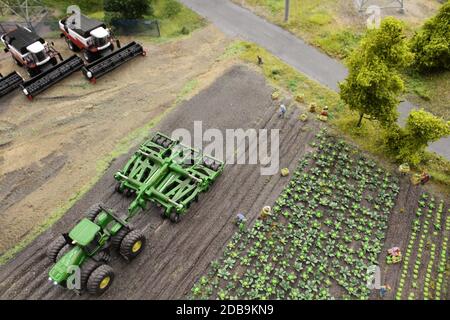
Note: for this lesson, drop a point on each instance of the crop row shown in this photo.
(429, 265)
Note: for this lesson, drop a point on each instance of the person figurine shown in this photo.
(282, 111)
(260, 61)
(424, 178)
(324, 112)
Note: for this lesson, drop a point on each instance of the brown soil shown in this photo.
(50, 148)
(178, 253)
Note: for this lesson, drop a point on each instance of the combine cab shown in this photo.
(39, 58)
(96, 43)
(167, 173)
(9, 83)
(162, 171)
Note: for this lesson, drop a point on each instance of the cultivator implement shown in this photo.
(46, 79)
(113, 60)
(9, 83)
(167, 173)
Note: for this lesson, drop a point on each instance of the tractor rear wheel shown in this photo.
(86, 270)
(100, 280)
(132, 244)
(94, 211)
(55, 247)
(118, 238)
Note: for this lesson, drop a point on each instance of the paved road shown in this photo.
(239, 22)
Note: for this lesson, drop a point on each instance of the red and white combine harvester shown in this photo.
(38, 58)
(97, 45)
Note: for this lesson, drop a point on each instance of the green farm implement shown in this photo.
(162, 171)
(167, 173)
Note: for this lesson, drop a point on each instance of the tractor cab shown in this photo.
(86, 234)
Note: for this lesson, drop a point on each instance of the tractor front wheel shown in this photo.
(100, 280)
(55, 248)
(94, 211)
(132, 244)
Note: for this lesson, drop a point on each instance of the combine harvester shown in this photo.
(96, 43)
(162, 171)
(39, 59)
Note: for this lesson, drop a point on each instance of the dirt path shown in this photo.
(179, 253)
(50, 148)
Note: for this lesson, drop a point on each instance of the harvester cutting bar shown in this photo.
(45, 80)
(9, 83)
(109, 62)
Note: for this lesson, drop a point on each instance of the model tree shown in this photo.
(129, 9)
(409, 143)
(431, 44)
(374, 83)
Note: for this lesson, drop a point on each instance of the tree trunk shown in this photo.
(361, 115)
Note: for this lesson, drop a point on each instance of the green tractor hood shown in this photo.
(63, 268)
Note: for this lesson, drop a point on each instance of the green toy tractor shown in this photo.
(163, 171)
(81, 257)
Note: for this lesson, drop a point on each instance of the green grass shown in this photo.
(368, 137)
(430, 92)
(318, 22)
(173, 27)
(179, 25)
(123, 147)
(335, 28)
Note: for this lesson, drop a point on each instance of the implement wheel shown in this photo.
(132, 244)
(175, 217)
(100, 280)
(55, 248)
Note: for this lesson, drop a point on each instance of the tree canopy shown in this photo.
(431, 44)
(129, 9)
(374, 83)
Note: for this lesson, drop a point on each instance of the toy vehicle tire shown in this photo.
(55, 247)
(118, 188)
(118, 237)
(86, 270)
(93, 211)
(128, 245)
(174, 217)
(96, 280)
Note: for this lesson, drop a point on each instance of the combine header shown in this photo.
(39, 58)
(96, 43)
(162, 171)
(56, 73)
(9, 83)
(167, 173)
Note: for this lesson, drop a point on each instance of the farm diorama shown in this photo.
(100, 199)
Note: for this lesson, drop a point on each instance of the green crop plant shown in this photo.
(308, 244)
